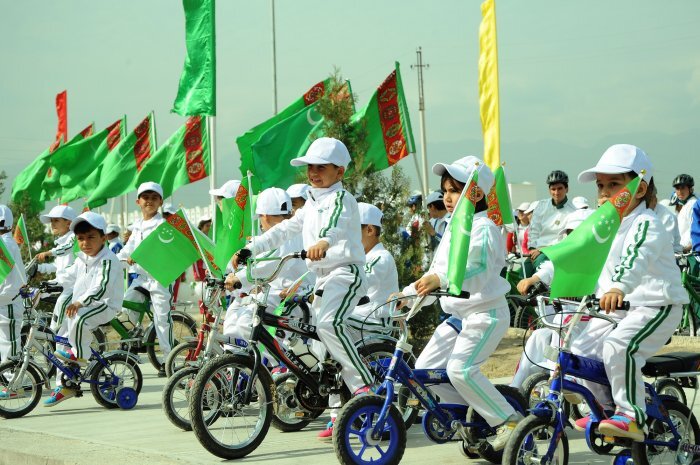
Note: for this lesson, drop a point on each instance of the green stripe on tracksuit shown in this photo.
(339, 328)
(333, 220)
(631, 365)
(80, 324)
(62, 311)
(106, 267)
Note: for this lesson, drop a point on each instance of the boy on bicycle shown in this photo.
(96, 283)
(11, 309)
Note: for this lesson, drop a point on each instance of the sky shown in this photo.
(575, 77)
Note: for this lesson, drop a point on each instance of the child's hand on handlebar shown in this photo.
(612, 300)
(240, 257)
(526, 284)
(427, 284)
(231, 282)
(317, 251)
(399, 303)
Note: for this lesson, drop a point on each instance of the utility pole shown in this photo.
(274, 61)
(421, 112)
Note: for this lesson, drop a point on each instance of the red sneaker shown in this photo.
(327, 434)
(582, 423)
(621, 425)
(363, 390)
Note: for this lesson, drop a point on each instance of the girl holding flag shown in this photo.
(484, 315)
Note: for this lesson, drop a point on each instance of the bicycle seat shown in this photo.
(672, 362)
(143, 291)
(363, 300)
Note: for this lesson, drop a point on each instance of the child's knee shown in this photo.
(459, 370)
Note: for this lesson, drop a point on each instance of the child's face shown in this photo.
(610, 184)
(268, 221)
(91, 242)
(683, 192)
(149, 202)
(297, 203)
(324, 175)
(59, 226)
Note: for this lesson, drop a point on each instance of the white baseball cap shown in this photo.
(113, 228)
(298, 190)
(92, 218)
(324, 150)
(369, 214)
(228, 190)
(6, 215)
(523, 206)
(433, 197)
(59, 211)
(532, 207)
(618, 159)
(462, 169)
(575, 218)
(168, 208)
(273, 201)
(149, 186)
(580, 202)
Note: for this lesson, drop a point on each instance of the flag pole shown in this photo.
(274, 61)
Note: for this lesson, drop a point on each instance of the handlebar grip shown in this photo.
(50, 288)
(463, 295)
(303, 255)
(237, 285)
(625, 304)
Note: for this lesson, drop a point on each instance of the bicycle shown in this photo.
(236, 386)
(540, 438)
(522, 312)
(115, 379)
(690, 322)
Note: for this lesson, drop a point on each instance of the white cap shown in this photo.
(113, 228)
(433, 197)
(369, 214)
(575, 218)
(95, 220)
(618, 159)
(324, 150)
(6, 215)
(462, 169)
(59, 211)
(168, 208)
(228, 190)
(149, 186)
(273, 201)
(298, 190)
(130, 227)
(532, 207)
(523, 206)
(580, 202)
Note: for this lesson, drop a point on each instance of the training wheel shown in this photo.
(127, 398)
(624, 457)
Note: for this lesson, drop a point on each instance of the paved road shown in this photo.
(81, 432)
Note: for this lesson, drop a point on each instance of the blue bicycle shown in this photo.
(672, 430)
(370, 428)
(114, 377)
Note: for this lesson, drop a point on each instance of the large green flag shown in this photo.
(579, 259)
(246, 141)
(388, 124)
(196, 94)
(6, 262)
(29, 181)
(235, 225)
(52, 183)
(460, 234)
(498, 200)
(182, 159)
(168, 250)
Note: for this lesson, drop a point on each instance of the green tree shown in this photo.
(36, 230)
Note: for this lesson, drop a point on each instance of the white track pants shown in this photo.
(80, 328)
(532, 360)
(60, 324)
(10, 329)
(161, 302)
(238, 323)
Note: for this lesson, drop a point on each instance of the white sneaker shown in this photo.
(504, 431)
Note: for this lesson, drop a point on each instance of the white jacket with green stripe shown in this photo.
(96, 281)
(483, 281)
(382, 281)
(330, 214)
(63, 254)
(9, 287)
(641, 262)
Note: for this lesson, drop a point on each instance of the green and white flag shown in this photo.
(460, 234)
(579, 259)
(498, 200)
(235, 225)
(6, 262)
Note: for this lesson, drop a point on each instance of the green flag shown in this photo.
(168, 250)
(20, 235)
(246, 141)
(579, 259)
(182, 159)
(6, 262)
(235, 227)
(51, 185)
(460, 234)
(206, 249)
(498, 200)
(388, 124)
(29, 181)
(196, 94)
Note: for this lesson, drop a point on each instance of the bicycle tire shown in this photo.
(670, 387)
(175, 411)
(34, 380)
(102, 390)
(527, 434)
(187, 328)
(287, 404)
(50, 346)
(179, 357)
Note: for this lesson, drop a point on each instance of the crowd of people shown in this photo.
(347, 261)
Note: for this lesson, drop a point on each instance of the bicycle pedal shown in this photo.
(412, 403)
(79, 393)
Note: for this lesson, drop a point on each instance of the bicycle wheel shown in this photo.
(531, 440)
(98, 340)
(49, 346)
(176, 398)
(352, 438)
(670, 387)
(23, 400)
(238, 428)
(680, 415)
(535, 388)
(288, 419)
(180, 357)
(102, 377)
(525, 318)
(183, 327)
(377, 357)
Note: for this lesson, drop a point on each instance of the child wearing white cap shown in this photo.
(439, 217)
(485, 315)
(329, 225)
(113, 242)
(11, 309)
(149, 199)
(96, 284)
(273, 206)
(60, 218)
(299, 193)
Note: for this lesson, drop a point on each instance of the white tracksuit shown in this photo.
(331, 214)
(97, 283)
(670, 222)
(685, 220)
(11, 309)
(485, 320)
(547, 221)
(64, 257)
(161, 296)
